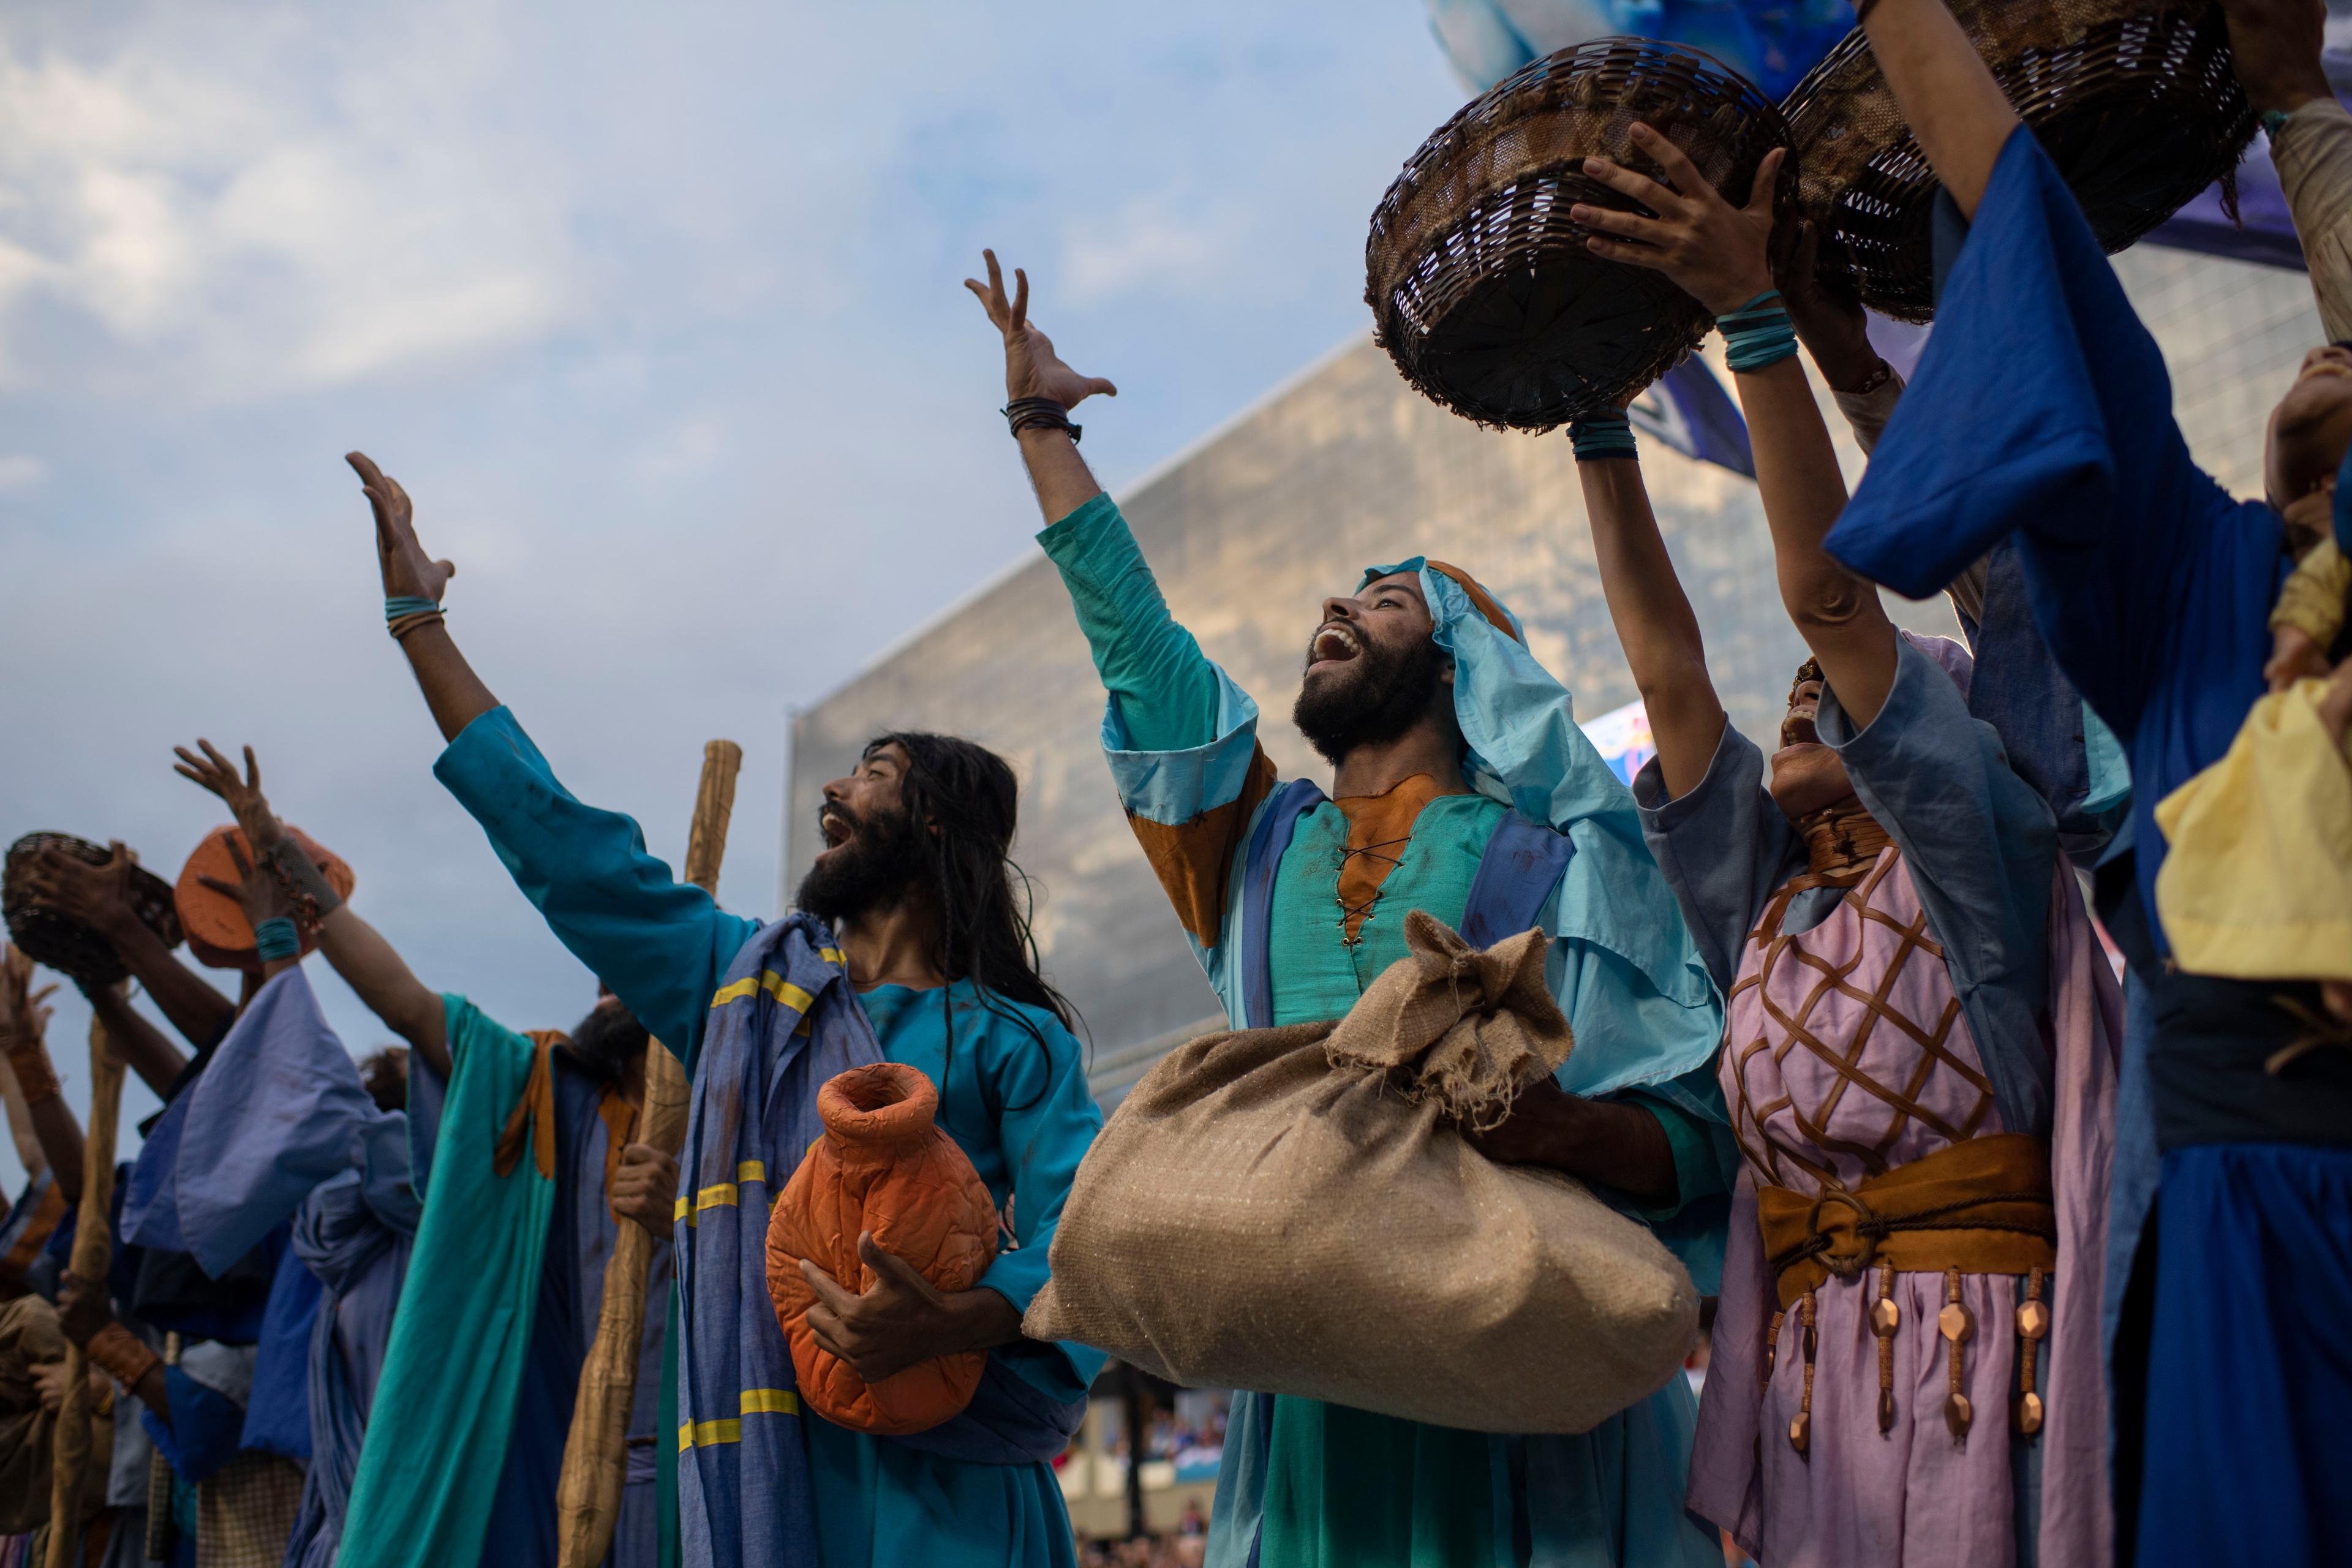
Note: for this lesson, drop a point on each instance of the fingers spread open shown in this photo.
(1618, 250)
(1633, 226)
(1640, 187)
(1681, 172)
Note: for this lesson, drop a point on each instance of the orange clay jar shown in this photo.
(882, 1165)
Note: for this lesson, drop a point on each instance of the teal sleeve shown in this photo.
(1698, 1147)
(1049, 1122)
(1166, 689)
(661, 944)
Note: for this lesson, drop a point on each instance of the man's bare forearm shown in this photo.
(187, 1000)
(1060, 477)
(454, 693)
(373, 968)
(200, 1013)
(1655, 626)
(1944, 92)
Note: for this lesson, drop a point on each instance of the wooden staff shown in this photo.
(596, 1453)
(92, 1250)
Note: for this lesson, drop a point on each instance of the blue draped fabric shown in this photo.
(360, 1255)
(279, 1127)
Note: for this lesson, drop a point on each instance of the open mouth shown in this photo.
(1797, 730)
(835, 826)
(1335, 643)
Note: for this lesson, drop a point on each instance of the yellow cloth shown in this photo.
(2312, 598)
(2257, 884)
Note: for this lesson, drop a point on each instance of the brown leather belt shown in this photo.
(1983, 1206)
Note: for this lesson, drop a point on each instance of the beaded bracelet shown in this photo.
(1598, 437)
(404, 613)
(1033, 413)
(275, 939)
(1759, 334)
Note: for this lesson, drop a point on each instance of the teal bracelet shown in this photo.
(1759, 334)
(1598, 437)
(275, 939)
(396, 607)
(2273, 121)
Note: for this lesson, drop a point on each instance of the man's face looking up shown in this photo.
(1373, 670)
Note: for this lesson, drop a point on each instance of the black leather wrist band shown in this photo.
(1035, 412)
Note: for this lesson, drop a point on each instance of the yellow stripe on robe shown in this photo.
(722, 1195)
(753, 1402)
(785, 993)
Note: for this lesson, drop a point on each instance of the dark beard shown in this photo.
(605, 1042)
(1377, 696)
(872, 869)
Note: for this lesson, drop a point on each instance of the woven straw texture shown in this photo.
(63, 943)
(1481, 287)
(2135, 101)
(1294, 1211)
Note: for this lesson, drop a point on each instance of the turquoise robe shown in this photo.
(1018, 1107)
(1310, 1485)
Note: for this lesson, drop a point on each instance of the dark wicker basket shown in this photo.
(1481, 287)
(2135, 101)
(62, 943)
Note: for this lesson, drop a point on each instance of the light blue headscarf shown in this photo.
(1523, 747)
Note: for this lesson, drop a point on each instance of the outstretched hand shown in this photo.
(242, 795)
(256, 893)
(1032, 369)
(408, 572)
(1717, 252)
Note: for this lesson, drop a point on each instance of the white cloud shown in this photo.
(1149, 243)
(240, 239)
(21, 471)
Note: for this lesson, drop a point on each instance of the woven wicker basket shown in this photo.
(62, 943)
(1481, 287)
(2135, 101)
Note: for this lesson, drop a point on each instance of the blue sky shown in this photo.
(656, 312)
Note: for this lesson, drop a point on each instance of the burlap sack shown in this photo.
(1293, 1211)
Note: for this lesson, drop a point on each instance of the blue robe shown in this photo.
(279, 1127)
(1016, 1104)
(2041, 410)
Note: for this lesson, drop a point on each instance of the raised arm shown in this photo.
(413, 585)
(23, 1025)
(1654, 622)
(1944, 90)
(660, 944)
(367, 963)
(2276, 47)
(1036, 385)
(1168, 693)
(1721, 255)
(99, 897)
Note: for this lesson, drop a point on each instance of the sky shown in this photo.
(658, 314)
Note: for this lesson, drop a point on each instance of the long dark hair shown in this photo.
(969, 793)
